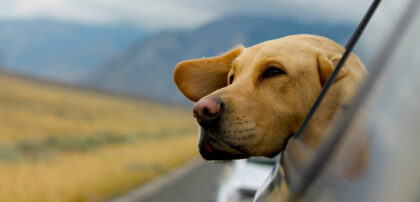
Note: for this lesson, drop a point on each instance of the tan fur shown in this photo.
(207, 74)
(261, 114)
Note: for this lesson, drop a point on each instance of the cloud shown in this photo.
(58, 9)
(167, 14)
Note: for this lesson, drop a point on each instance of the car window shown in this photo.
(345, 168)
(335, 97)
(297, 154)
(384, 129)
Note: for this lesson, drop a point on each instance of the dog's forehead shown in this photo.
(263, 52)
(246, 57)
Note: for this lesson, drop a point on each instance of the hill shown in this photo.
(146, 67)
(58, 50)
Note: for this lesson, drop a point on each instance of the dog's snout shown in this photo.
(208, 110)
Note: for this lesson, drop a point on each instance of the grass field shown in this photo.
(64, 144)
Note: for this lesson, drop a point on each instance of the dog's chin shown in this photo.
(209, 152)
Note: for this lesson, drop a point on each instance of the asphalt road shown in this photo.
(194, 182)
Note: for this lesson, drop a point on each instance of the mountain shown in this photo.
(61, 50)
(146, 67)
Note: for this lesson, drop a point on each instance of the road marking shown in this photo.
(154, 185)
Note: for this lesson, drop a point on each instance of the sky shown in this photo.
(170, 14)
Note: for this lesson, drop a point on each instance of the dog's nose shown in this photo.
(208, 110)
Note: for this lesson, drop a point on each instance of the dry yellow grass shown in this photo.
(94, 175)
(35, 109)
(31, 110)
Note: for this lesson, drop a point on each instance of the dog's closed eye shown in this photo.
(231, 78)
(272, 71)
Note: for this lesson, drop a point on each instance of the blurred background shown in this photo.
(88, 108)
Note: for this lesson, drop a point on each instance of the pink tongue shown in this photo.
(208, 147)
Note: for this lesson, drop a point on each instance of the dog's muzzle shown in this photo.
(208, 112)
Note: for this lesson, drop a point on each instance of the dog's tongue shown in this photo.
(208, 147)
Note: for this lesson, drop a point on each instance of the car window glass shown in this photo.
(378, 152)
(299, 152)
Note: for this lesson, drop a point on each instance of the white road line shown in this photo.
(153, 186)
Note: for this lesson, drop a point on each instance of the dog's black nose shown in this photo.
(208, 110)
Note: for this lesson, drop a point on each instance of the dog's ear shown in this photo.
(326, 65)
(199, 77)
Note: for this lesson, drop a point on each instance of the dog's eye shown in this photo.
(231, 79)
(272, 71)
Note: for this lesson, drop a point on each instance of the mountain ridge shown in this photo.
(61, 50)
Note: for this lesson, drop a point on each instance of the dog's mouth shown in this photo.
(213, 149)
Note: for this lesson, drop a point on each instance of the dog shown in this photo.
(250, 101)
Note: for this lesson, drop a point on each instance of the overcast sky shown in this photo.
(169, 14)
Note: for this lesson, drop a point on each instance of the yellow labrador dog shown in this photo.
(249, 101)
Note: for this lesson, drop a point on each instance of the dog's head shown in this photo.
(251, 100)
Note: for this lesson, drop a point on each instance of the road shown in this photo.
(196, 181)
